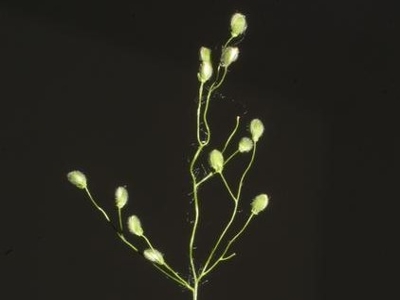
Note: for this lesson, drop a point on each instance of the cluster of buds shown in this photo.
(229, 54)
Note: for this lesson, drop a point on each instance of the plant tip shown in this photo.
(135, 226)
(238, 24)
(121, 197)
(78, 179)
(259, 204)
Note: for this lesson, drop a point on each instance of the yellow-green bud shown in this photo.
(78, 179)
(238, 24)
(256, 129)
(154, 256)
(121, 197)
(245, 145)
(135, 226)
(229, 55)
(259, 204)
(216, 160)
(205, 72)
(205, 54)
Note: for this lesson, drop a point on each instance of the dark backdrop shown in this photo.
(110, 88)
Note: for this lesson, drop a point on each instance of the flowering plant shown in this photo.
(210, 80)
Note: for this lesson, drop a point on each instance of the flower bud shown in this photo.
(154, 256)
(256, 129)
(78, 179)
(229, 55)
(205, 72)
(245, 145)
(216, 160)
(135, 226)
(259, 204)
(238, 24)
(121, 197)
(205, 54)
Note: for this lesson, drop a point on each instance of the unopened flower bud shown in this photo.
(229, 55)
(78, 179)
(259, 204)
(135, 226)
(205, 54)
(205, 72)
(256, 129)
(121, 197)
(154, 256)
(245, 145)
(216, 160)
(238, 24)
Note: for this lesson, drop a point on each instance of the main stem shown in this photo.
(195, 290)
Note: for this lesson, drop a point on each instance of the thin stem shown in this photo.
(97, 206)
(228, 225)
(120, 234)
(121, 228)
(231, 156)
(199, 112)
(197, 212)
(174, 278)
(122, 237)
(232, 134)
(246, 171)
(213, 87)
(222, 257)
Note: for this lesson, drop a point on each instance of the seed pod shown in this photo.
(216, 160)
(259, 204)
(135, 226)
(238, 24)
(154, 256)
(245, 145)
(256, 129)
(205, 71)
(78, 179)
(121, 197)
(229, 55)
(205, 54)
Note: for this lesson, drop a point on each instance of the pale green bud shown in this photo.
(245, 145)
(216, 160)
(256, 129)
(238, 24)
(135, 226)
(259, 204)
(121, 197)
(205, 54)
(154, 256)
(229, 55)
(205, 72)
(78, 179)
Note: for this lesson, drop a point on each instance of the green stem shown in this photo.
(253, 154)
(222, 257)
(232, 134)
(121, 228)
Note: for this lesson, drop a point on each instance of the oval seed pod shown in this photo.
(216, 160)
(135, 226)
(259, 204)
(121, 197)
(229, 55)
(78, 179)
(205, 72)
(205, 54)
(256, 129)
(238, 24)
(154, 256)
(245, 145)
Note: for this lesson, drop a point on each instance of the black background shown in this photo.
(110, 87)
